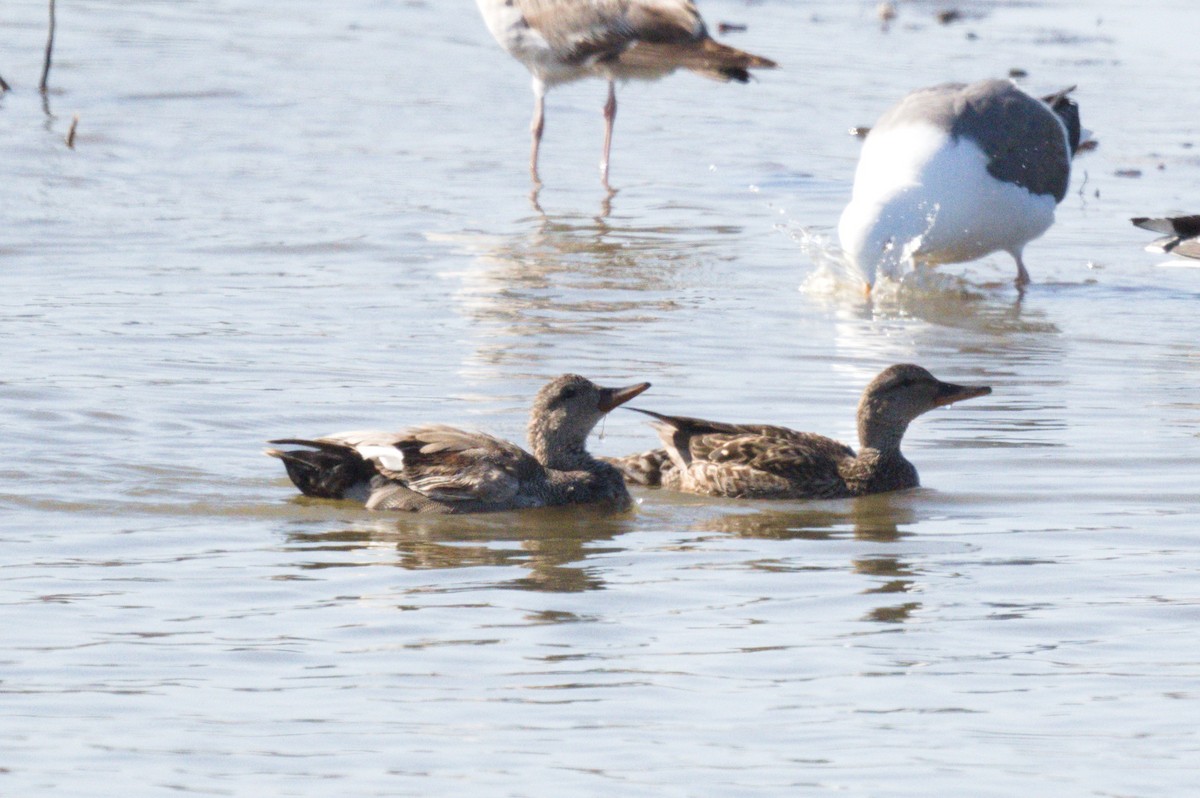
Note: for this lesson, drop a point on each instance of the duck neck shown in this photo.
(554, 452)
(881, 438)
(879, 465)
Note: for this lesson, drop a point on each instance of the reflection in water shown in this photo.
(940, 298)
(894, 572)
(606, 206)
(896, 614)
(871, 518)
(545, 543)
(888, 567)
(877, 518)
(573, 275)
(997, 333)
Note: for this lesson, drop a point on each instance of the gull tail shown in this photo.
(707, 58)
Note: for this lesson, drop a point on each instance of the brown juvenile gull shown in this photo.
(559, 41)
(439, 469)
(759, 461)
(954, 172)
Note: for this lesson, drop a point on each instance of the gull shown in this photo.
(957, 171)
(1182, 234)
(559, 41)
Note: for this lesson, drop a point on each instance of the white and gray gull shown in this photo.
(440, 469)
(955, 172)
(560, 41)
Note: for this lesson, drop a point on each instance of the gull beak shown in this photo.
(615, 397)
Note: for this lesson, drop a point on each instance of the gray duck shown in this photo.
(759, 461)
(435, 468)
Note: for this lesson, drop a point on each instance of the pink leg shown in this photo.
(536, 127)
(610, 114)
(1022, 275)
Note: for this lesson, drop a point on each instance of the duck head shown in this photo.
(897, 396)
(564, 413)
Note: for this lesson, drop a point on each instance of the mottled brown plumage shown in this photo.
(441, 469)
(559, 41)
(756, 461)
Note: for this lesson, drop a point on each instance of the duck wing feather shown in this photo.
(798, 465)
(754, 460)
(445, 463)
(696, 438)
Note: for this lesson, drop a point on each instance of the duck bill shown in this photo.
(615, 397)
(948, 393)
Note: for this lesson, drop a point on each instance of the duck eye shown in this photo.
(568, 393)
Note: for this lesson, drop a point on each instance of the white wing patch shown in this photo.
(388, 457)
(378, 446)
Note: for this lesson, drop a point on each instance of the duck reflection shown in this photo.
(880, 518)
(897, 614)
(548, 546)
(896, 579)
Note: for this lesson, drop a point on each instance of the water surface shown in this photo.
(288, 220)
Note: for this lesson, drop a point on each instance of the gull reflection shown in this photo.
(939, 298)
(983, 333)
(606, 202)
(571, 280)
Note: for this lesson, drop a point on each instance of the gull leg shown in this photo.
(610, 113)
(1022, 275)
(536, 127)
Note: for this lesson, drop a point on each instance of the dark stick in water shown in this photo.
(49, 50)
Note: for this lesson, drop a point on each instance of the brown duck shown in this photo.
(758, 461)
(440, 469)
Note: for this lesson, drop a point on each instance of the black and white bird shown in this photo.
(955, 172)
(559, 41)
(1181, 234)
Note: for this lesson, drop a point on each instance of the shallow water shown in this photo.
(283, 221)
